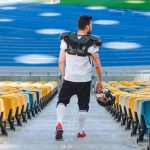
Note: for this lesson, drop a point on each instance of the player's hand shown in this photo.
(99, 87)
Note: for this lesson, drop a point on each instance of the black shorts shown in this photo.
(81, 89)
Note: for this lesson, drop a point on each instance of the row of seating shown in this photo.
(132, 106)
(21, 100)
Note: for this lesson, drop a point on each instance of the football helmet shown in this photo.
(105, 97)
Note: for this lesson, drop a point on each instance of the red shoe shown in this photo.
(83, 135)
(59, 131)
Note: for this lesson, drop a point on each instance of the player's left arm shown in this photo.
(62, 58)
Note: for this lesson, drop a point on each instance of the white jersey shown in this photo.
(78, 69)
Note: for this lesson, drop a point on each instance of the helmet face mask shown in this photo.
(105, 98)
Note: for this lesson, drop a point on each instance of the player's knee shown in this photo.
(62, 102)
(84, 107)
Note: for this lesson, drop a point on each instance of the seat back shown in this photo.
(31, 99)
(1, 106)
(126, 101)
(26, 98)
(118, 96)
(138, 105)
(145, 111)
(33, 94)
(15, 101)
(9, 104)
(2, 110)
(38, 94)
(132, 102)
(22, 101)
(123, 101)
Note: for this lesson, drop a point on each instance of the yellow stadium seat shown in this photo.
(22, 105)
(41, 82)
(10, 107)
(2, 118)
(132, 103)
(124, 106)
(54, 88)
(27, 105)
(18, 106)
(137, 112)
(2, 109)
(130, 109)
(33, 107)
(112, 82)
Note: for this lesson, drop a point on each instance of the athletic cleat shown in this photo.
(59, 132)
(83, 135)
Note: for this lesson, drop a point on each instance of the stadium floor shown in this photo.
(103, 133)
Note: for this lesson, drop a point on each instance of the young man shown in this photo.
(78, 50)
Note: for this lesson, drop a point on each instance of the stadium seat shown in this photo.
(120, 111)
(38, 97)
(129, 90)
(42, 91)
(26, 107)
(130, 109)
(124, 107)
(117, 112)
(10, 107)
(112, 82)
(137, 111)
(44, 94)
(31, 104)
(41, 82)
(18, 105)
(116, 106)
(34, 110)
(2, 118)
(144, 120)
(22, 104)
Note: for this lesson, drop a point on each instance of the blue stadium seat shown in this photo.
(144, 120)
(31, 104)
(37, 100)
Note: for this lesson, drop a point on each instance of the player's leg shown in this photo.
(83, 102)
(65, 94)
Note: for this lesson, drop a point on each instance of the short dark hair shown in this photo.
(83, 21)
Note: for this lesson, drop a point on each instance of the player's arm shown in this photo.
(62, 54)
(96, 60)
(62, 57)
(98, 68)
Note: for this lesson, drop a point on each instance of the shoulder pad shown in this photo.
(96, 39)
(72, 34)
(63, 35)
(73, 37)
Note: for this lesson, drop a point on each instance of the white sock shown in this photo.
(60, 112)
(82, 118)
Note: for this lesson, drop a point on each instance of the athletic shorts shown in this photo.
(81, 89)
